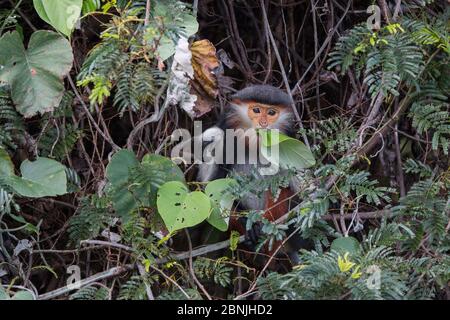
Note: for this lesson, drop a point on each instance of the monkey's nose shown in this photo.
(263, 123)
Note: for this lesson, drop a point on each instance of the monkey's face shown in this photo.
(255, 115)
(263, 115)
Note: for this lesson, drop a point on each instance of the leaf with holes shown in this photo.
(221, 202)
(180, 209)
(35, 74)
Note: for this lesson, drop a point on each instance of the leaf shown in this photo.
(157, 170)
(90, 6)
(221, 203)
(61, 15)
(117, 170)
(189, 24)
(344, 263)
(117, 173)
(292, 154)
(129, 195)
(3, 294)
(27, 226)
(35, 75)
(205, 64)
(23, 295)
(41, 178)
(6, 165)
(180, 209)
(163, 164)
(346, 244)
(166, 48)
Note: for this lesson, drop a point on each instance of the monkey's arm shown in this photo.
(212, 166)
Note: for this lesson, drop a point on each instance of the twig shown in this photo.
(106, 243)
(148, 290)
(283, 71)
(385, 9)
(324, 45)
(147, 13)
(92, 120)
(362, 215)
(10, 15)
(401, 179)
(82, 283)
(191, 267)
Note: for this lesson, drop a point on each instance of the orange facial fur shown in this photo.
(263, 115)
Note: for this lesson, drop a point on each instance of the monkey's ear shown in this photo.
(236, 101)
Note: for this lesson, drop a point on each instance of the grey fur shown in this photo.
(263, 94)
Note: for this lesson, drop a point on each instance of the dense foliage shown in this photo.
(91, 91)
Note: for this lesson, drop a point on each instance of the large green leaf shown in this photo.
(162, 164)
(61, 15)
(118, 172)
(221, 202)
(41, 178)
(35, 75)
(180, 209)
(134, 184)
(292, 153)
(152, 173)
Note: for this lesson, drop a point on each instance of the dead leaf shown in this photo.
(205, 62)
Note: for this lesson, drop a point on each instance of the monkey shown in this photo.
(252, 108)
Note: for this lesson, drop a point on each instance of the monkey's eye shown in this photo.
(272, 112)
(256, 110)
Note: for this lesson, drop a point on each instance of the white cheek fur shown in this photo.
(242, 111)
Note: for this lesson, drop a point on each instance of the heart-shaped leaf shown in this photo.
(41, 178)
(291, 153)
(35, 75)
(61, 15)
(221, 202)
(180, 209)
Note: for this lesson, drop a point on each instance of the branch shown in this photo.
(82, 283)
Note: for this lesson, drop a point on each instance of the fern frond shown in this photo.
(88, 221)
(11, 121)
(91, 293)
